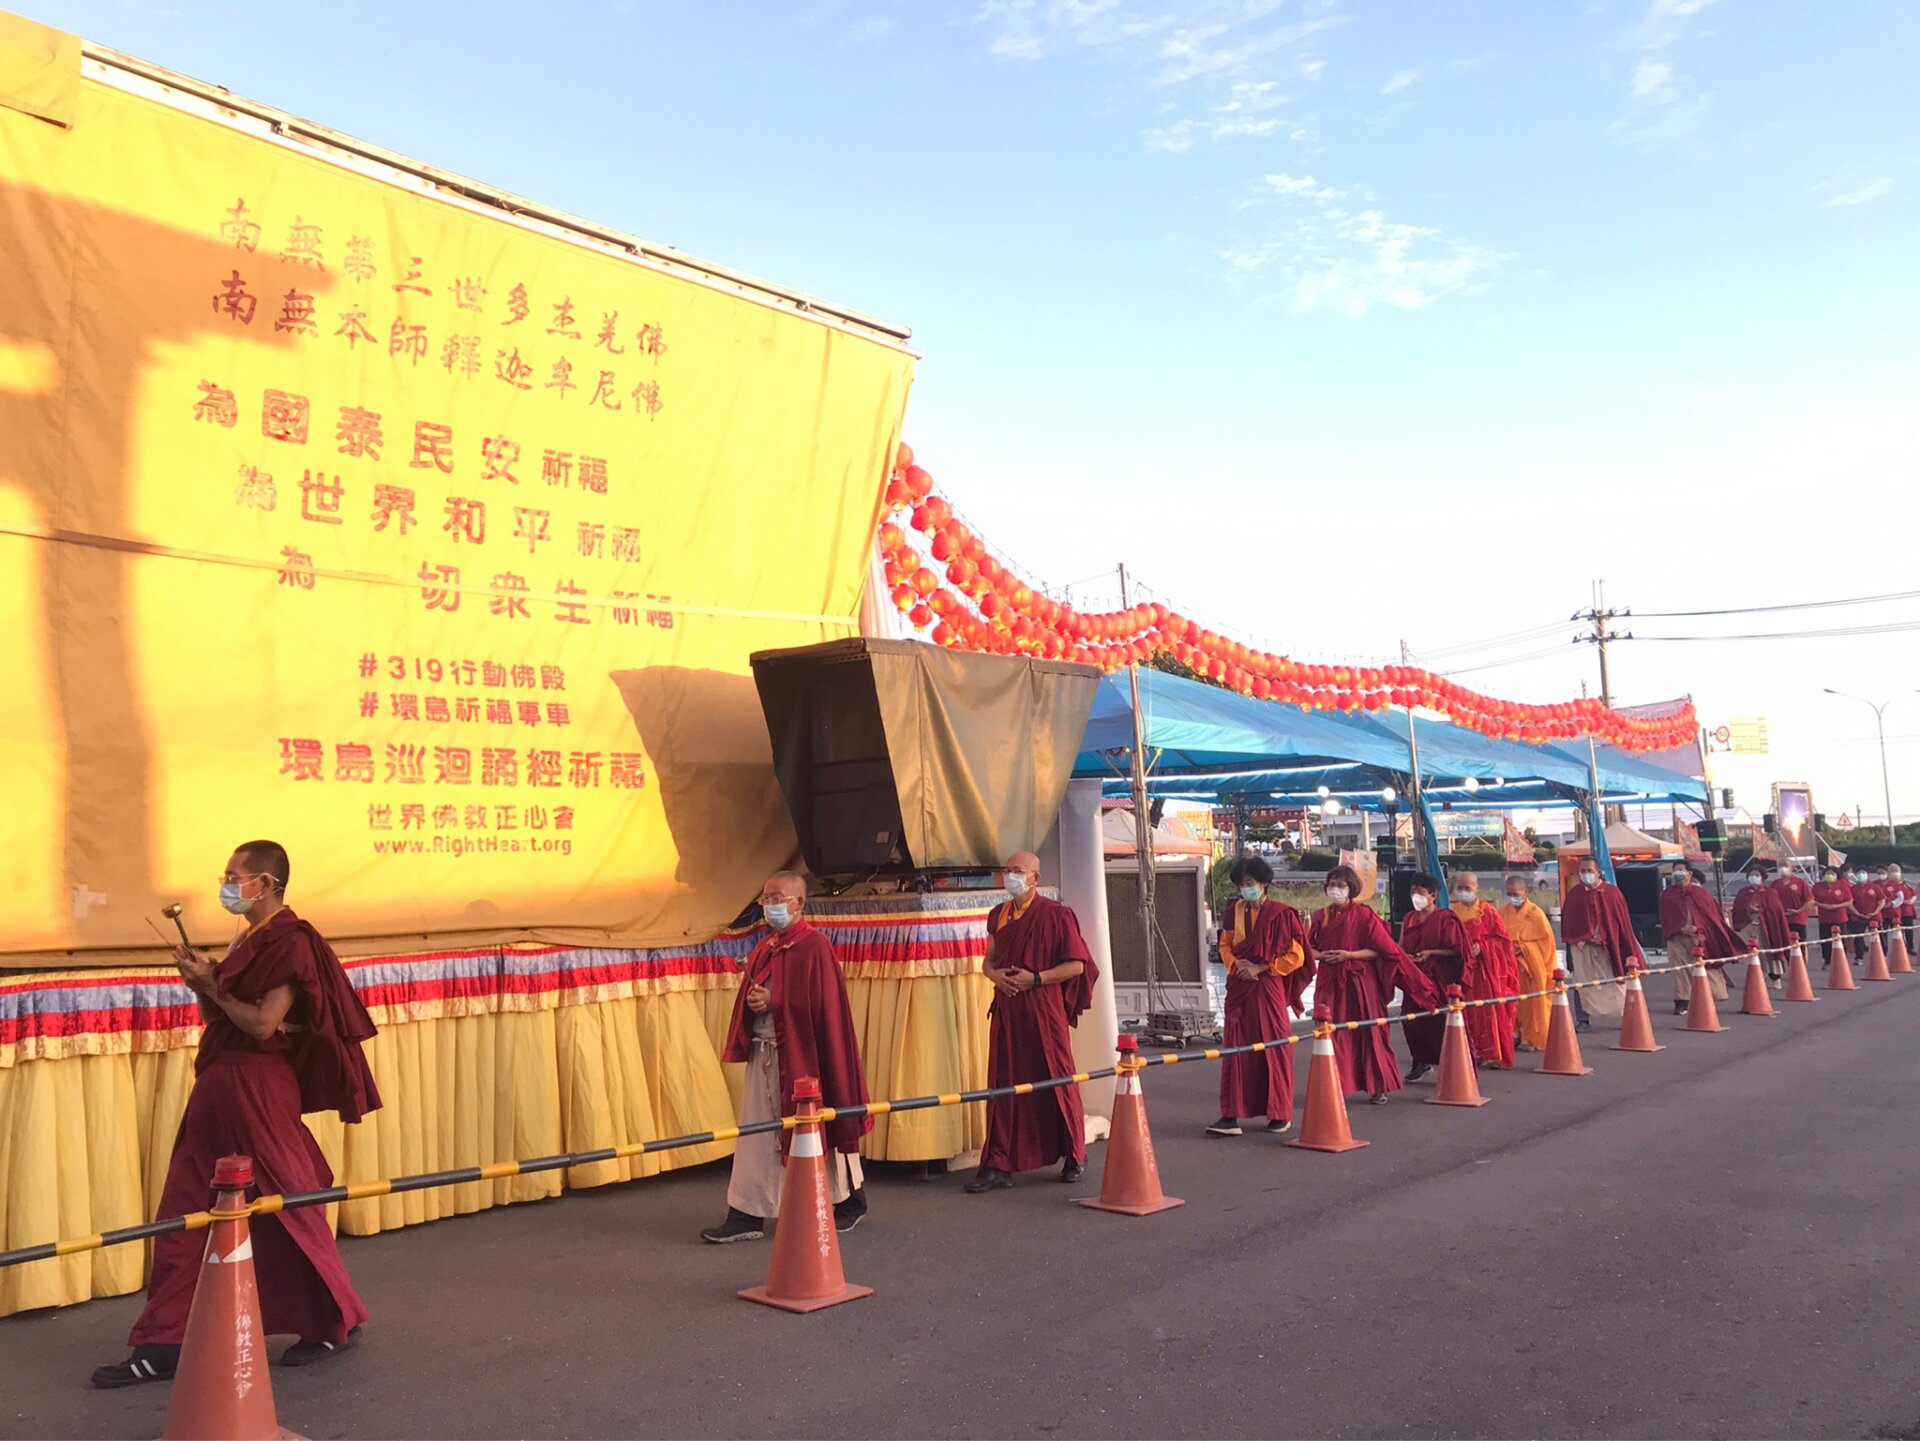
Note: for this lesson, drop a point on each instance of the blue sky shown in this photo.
(1341, 321)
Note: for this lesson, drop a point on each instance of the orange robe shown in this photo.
(1534, 950)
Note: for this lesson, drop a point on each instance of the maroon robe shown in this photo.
(1029, 1038)
(1361, 990)
(1491, 969)
(1256, 1010)
(812, 1027)
(1599, 914)
(1762, 904)
(1434, 929)
(247, 1100)
(1689, 904)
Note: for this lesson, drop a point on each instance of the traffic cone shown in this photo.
(1839, 972)
(1563, 1044)
(1799, 988)
(1898, 961)
(1324, 1126)
(804, 1274)
(1130, 1183)
(1756, 1001)
(220, 1388)
(1701, 1014)
(1876, 960)
(1636, 1026)
(1459, 1086)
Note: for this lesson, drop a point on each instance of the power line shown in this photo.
(1509, 660)
(1891, 628)
(1766, 609)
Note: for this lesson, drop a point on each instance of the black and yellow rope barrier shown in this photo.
(504, 1170)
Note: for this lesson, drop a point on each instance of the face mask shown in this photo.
(1466, 898)
(1832, 879)
(1756, 880)
(1017, 884)
(1252, 895)
(1336, 894)
(1421, 900)
(779, 915)
(1589, 878)
(1516, 901)
(232, 900)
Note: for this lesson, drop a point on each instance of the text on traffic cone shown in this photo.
(1459, 1085)
(220, 1389)
(1130, 1183)
(804, 1274)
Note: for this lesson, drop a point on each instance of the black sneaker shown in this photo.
(1417, 1070)
(1280, 1128)
(305, 1353)
(1072, 1172)
(1679, 1008)
(149, 1362)
(851, 1212)
(1225, 1126)
(738, 1226)
(988, 1179)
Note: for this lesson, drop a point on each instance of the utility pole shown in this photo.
(1598, 617)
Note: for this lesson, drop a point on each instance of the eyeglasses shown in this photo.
(230, 879)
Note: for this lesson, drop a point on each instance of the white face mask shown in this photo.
(1515, 901)
(1466, 898)
(1589, 878)
(1017, 884)
(1336, 894)
(1421, 900)
(1756, 880)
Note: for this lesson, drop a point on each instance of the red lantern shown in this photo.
(925, 582)
(903, 596)
(921, 617)
(919, 483)
(922, 518)
(897, 494)
(902, 456)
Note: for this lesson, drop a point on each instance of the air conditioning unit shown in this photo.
(1180, 941)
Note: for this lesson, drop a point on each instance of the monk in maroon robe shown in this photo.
(1264, 946)
(283, 1036)
(1043, 979)
(1598, 930)
(1358, 966)
(1432, 938)
(1690, 919)
(1761, 919)
(791, 1018)
(1490, 969)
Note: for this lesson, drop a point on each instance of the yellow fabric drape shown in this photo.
(1533, 947)
(85, 1139)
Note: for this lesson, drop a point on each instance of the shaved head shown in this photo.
(1024, 861)
(785, 885)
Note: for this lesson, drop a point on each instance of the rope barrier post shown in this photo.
(804, 1274)
(1325, 1127)
(1799, 987)
(1756, 1000)
(1130, 1181)
(220, 1388)
(1636, 1025)
(1703, 1017)
(1458, 1084)
(1563, 1042)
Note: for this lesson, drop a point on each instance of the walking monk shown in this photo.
(1489, 970)
(1432, 938)
(791, 1019)
(1761, 920)
(1042, 980)
(1359, 966)
(1600, 942)
(1535, 951)
(1264, 945)
(283, 1036)
(1690, 919)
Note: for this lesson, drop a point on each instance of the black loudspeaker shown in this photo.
(1399, 895)
(1713, 836)
(1819, 821)
(1770, 823)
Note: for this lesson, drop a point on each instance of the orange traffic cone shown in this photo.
(1324, 1127)
(1636, 1026)
(1701, 1012)
(1898, 961)
(1130, 1184)
(1459, 1086)
(1876, 960)
(1839, 972)
(1799, 988)
(1563, 1043)
(1756, 1001)
(804, 1274)
(220, 1389)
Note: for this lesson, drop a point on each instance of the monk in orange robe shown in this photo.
(1534, 950)
(1490, 970)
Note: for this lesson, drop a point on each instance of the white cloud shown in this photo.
(1663, 107)
(1469, 62)
(1400, 81)
(1333, 248)
(870, 29)
(1862, 192)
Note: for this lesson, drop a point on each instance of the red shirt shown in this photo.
(1833, 898)
(1868, 898)
(1908, 896)
(1795, 896)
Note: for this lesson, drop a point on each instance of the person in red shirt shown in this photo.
(1869, 900)
(1908, 899)
(1833, 902)
(1796, 898)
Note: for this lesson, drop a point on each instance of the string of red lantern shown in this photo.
(966, 598)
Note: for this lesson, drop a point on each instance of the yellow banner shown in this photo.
(425, 543)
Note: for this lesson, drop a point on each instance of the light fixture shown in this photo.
(1389, 794)
(1330, 807)
(1473, 784)
(1324, 792)
(1499, 780)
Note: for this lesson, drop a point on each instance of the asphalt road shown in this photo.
(1717, 1240)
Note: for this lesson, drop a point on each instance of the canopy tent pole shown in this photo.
(1597, 826)
(1426, 842)
(1142, 823)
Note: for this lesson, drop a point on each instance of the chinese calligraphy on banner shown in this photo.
(427, 543)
